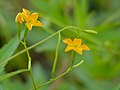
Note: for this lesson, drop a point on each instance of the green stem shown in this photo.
(28, 55)
(56, 56)
(73, 58)
(33, 81)
(29, 64)
(19, 30)
(25, 34)
(9, 59)
(8, 75)
(52, 80)
(29, 58)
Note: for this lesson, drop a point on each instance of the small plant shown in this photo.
(28, 20)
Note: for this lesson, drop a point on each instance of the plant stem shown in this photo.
(73, 58)
(29, 64)
(8, 75)
(29, 58)
(28, 55)
(19, 30)
(68, 70)
(25, 34)
(56, 56)
(33, 81)
(9, 59)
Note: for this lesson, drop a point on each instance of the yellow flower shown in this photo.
(19, 18)
(75, 45)
(31, 20)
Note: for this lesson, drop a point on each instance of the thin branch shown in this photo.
(52, 80)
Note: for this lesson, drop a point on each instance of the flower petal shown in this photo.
(27, 12)
(68, 48)
(77, 41)
(25, 17)
(19, 18)
(37, 23)
(78, 50)
(29, 26)
(68, 41)
(85, 47)
(34, 17)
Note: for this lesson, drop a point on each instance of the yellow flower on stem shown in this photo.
(75, 45)
(31, 20)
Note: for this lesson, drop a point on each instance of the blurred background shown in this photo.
(101, 68)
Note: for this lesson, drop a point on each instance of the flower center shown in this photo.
(29, 21)
(75, 46)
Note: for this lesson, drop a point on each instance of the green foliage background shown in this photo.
(101, 69)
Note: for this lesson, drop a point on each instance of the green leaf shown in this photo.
(39, 74)
(80, 12)
(7, 51)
